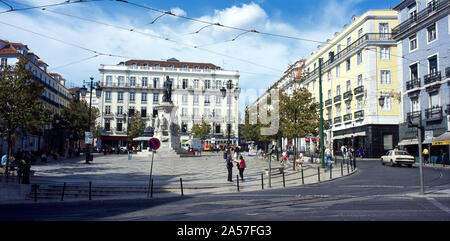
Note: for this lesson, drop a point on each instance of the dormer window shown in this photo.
(156, 65)
(207, 68)
(185, 66)
(171, 66)
(196, 67)
(145, 65)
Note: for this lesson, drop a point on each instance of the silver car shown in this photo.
(397, 157)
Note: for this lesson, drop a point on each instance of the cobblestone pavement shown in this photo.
(200, 174)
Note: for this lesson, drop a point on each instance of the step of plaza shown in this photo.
(115, 176)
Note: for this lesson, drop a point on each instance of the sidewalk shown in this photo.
(203, 175)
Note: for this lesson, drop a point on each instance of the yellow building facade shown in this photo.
(360, 85)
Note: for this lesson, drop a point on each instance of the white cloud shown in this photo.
(178, 11)
(270, 52)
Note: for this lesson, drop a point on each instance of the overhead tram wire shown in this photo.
(235, 28)
(50, 5)
(5, 3)
(221, 25)
(154, 36)
(192, 19)
(65, 42)
(75, 62)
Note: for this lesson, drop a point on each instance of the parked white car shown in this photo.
(397, 157)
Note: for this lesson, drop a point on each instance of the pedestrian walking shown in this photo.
(26, 168)
(299, 161)
(241, 166)
(285, 157)
(229, 161)
(328, 156)
(425, 155)
(343, 151)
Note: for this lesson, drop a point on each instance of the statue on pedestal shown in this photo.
(167, 96)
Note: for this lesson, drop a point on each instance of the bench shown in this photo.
(280, 170)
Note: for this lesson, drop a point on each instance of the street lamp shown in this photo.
(83, 91)
(236, 91)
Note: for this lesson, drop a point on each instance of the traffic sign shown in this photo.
(154, 143)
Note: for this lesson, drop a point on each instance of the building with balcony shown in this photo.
(424, 73)
(137, 85)
(55, 96)
(285, 83)
(360, 88)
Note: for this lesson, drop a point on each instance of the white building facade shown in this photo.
(137, 85)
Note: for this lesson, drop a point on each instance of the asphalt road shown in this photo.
(374, 192)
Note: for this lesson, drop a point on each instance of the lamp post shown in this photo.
(223, 90)
(83, 91)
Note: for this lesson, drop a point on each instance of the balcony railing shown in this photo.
(328, 102)
(359, 114)
(329, 122)
(414, 115)
(413, 84)
(348, 95)
(431, 78)
(337, 99)
(432, 8)
(348, 117)
(359, 90)
(337, 120)
(433, 113)
(366, 37)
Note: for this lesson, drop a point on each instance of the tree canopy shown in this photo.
(22, 111)
(137, 126)
(201, 130)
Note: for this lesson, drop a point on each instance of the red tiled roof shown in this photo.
(166, 63)
(9, 49)
(42, 62)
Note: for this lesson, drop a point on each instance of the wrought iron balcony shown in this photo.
(433, 7)
(433, 113)
(357, 43)
(348, 117)
(413, 84)
(413, 115)
(328, 102)
(359, 114)
(337, 99)
(359, 90)
(337, 120)
(433, 77)
(348, 95)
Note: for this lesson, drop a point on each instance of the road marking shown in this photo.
(439, 205)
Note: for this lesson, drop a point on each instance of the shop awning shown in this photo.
(407, 142)
(142, 138)
(443, 139)
(362, 133)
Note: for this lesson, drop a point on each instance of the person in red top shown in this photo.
(241, 167)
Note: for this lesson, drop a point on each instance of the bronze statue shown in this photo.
(167, 97)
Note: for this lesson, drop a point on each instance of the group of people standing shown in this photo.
(232, 156)
(21, 162)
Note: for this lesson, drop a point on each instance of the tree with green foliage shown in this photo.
(22, 111)
(136, 126)
(75, 119)
(201, 130)
(299, 115)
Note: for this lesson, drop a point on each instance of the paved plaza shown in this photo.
(205, 174)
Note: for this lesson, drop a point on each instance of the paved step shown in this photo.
(78, 191)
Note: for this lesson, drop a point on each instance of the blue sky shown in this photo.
(260, 59)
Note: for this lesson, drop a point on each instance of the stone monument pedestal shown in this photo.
(166, 129)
